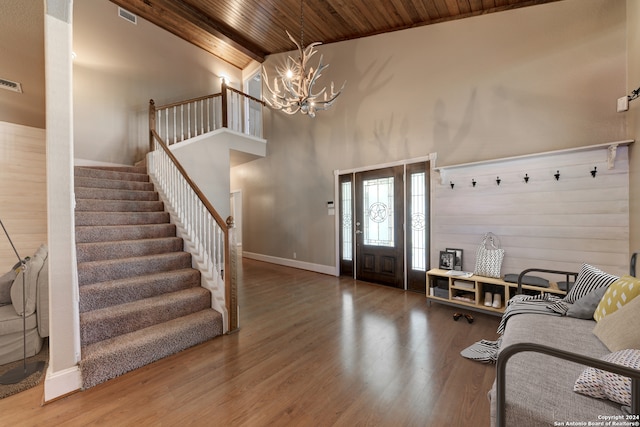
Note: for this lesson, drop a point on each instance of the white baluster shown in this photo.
(201, 116)
(175, 136)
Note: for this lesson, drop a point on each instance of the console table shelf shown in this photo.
(468, 292)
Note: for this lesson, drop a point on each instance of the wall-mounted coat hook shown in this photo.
(557, 175)
(473, 182)
(594, 171)
(452, 184)
(498, 180)
(526, 178)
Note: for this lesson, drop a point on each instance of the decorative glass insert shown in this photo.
(378, 212)
(347, 221)
(418, 222)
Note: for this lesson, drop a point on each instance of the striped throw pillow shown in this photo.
(589, 279)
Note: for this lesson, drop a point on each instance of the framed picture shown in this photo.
(446, 260)
(457, 262)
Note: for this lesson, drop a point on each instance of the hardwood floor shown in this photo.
(312, 350)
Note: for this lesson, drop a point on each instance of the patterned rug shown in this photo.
(32, 380)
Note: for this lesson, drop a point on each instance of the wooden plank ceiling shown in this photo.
(239, 31)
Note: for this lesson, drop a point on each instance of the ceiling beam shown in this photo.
(189, 23)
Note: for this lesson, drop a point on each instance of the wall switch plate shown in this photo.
(623, 104)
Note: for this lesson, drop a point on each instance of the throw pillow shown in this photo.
(586, 306)
(619, 330)
(34, 265)
(619, 293)
(6, 280)
(606, 385)
(589, 279)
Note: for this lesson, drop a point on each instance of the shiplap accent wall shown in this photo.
(545, 223)
(23, 187)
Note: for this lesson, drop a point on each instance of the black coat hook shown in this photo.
(452, 184)
(594, 171)
(526, 178)
(498, 180)
(473, 182)
(557, 175)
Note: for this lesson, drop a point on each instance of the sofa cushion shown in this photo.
(539, 387)
(589, 279)
(619, 330)
(11, 323)
(34, 266)
(618, 294)
(6, 280)
(607, 385)
(586, 306)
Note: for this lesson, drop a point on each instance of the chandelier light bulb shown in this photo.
(293, 86)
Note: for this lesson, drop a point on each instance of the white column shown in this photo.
(63, 375)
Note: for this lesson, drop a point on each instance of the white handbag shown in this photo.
(489, 257)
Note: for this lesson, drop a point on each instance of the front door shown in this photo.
(379, 225)
(384, 225)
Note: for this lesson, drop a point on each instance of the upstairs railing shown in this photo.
(230, 109)
(207, 236)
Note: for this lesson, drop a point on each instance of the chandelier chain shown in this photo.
(301, 23)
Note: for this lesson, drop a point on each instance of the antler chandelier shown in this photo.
(293, 88)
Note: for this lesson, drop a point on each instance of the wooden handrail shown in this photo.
(215, 95)
(177, 104)
(228, 275)
(264, 104)
(222, 223)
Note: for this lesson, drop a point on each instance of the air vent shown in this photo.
(125, 14)
(9, 85)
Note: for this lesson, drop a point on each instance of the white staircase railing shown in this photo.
(229, 109)
(207, 236)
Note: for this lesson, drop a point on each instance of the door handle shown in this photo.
(358, 232)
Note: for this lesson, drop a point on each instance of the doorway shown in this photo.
(384, 221)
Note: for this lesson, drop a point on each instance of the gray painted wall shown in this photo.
(530, 80)
(118, 68)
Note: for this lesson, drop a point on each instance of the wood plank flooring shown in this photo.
(312, 350)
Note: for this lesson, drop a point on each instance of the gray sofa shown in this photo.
(36, 305)
(539, 388)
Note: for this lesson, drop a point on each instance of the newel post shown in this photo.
(231, 280)
(223, 89)
(152, 122)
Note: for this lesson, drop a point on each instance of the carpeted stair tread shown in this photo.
(121, 218)
(88, 182)
(106, 323)
(109, 233)
(130, 169)
(102, 271)
(96, 251)
(106, 294)
(111, 358)
(114, 194)
(95, 205)
(110, 174)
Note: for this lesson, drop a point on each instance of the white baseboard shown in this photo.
(318, 268)
(61, 383)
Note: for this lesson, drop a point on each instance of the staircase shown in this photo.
(140, 298)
